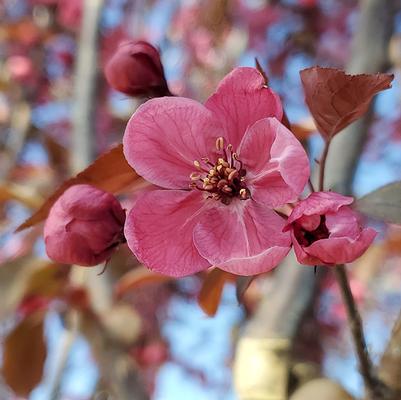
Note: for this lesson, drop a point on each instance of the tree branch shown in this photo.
(85, 87)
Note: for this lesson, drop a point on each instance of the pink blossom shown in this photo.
(84, 226)
(325, 230)
(222, 167)
(69, 13)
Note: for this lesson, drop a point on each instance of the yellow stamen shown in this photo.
(219, 143)
(195, 176)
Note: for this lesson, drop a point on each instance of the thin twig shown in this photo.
(322, 164)
(311, 187)
(365, 363)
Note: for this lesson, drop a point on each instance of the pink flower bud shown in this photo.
(325, 230)
(84, 226)
(136, 70)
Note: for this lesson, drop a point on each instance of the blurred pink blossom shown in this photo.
(20, 68)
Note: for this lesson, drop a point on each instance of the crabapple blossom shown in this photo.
(84, 226)
(222, 168)
(325, 230)
(136, 70)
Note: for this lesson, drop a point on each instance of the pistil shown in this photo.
(225, 179)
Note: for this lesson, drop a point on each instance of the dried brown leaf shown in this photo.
(212, 289)
(24, 355)
(109, 172)
(336, 99)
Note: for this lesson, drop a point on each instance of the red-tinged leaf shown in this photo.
(383, 204)
(24, 355)
(109, 172)
(138, 277)
(336, 99)
(212, 289)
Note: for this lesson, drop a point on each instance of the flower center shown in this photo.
(306, 238)
(225, 179)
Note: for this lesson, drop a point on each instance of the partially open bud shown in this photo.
(136, 70)
(84, 226)
(325, 230)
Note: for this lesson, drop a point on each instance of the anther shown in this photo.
(195, 176)
(220, 143)
(208, 187)
(243, 193)
(227, 189)
(233, 175)
(197, 164)
(223, 162)
(222, 183)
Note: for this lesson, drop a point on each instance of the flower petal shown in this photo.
(319, 203)
(159, 231)
(243, 238)
(309, 222)
(165, 136)
(240, 100)
(72, 248)
(276, 163)
(340, 250)
(345, 222)
(303, 257)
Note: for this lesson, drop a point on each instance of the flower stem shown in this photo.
(365, 363)
(322, 164)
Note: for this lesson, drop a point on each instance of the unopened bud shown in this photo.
(136, 70)
(84, 226)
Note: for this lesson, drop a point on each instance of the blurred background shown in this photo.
(69, 333)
